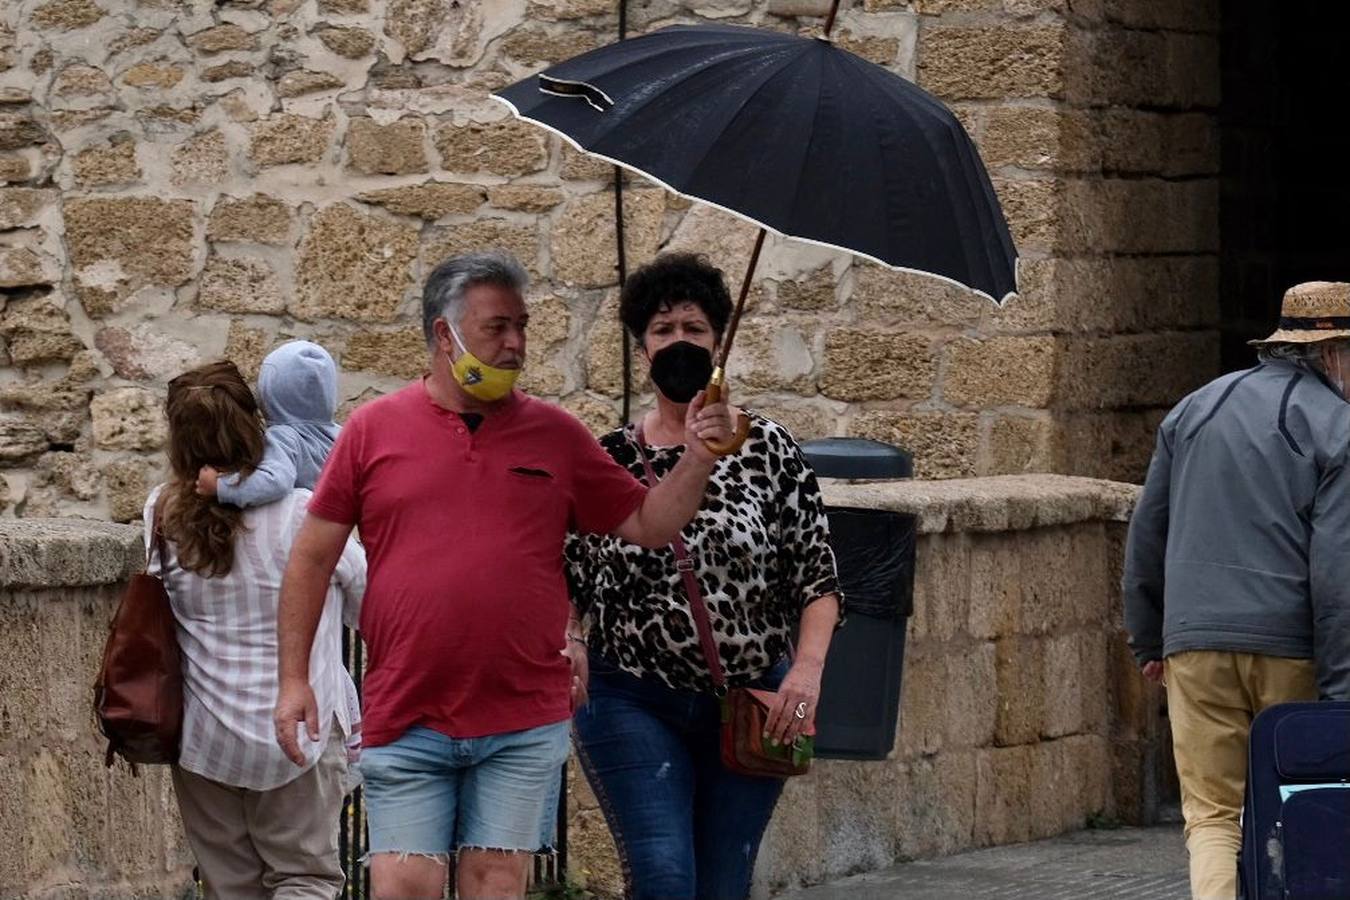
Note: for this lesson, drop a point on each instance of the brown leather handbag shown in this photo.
(138, 697)
(744, 710)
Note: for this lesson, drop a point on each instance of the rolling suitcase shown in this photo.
(1296, 816)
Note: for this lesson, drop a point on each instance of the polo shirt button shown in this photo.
(459, 431)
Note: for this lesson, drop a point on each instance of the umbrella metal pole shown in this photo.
(829, 22)
(718, 379)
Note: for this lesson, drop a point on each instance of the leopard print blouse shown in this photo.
(760, 545)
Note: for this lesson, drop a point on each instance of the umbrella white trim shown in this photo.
(1017, 260)
(545, 82)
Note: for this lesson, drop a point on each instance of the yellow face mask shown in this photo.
(480, 380)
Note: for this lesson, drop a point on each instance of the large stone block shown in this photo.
(393, 149)
(21, 438)
(1017, 444)
(584, 248)
(725, 240)
(1007, 371)
(302, 82)
(531, 198)
(14, 169)
(937, 804)
(128, 419)
(519, 240)
(114, 163)
(1034, 137)
(66, 15)
(506, 147)
(972, 697)
(1115, 445)
(1135, 370)
(259, 218)
(348, 42)
(240, 285)
(604, 354)
(353, 266)
(1005, 784)
(859, 809)
(1035, 209)
(202, 159)
(1064, 685)
(402, 353)
(148, 76)
(886, 297)
(1193, 72)
(566, 10)
(923, 720)
(533, 45)
(860, 364)
(36, 330)
(429, 201)
(18, 130)
(1117, 67)
(220, 38)
(246, 347)
(118, 245)
(773, 356)
(20, 207)
(22, 268)
(941, 587)
(944, 444)
(126, 483)
(995, 585)
(1020, 672)
(288, 138)
(960, 63)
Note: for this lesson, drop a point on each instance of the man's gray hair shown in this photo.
(443, 293)
(1310, 353)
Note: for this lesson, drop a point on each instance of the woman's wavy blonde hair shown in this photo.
(213, 421)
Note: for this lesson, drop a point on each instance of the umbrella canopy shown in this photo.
(794, 134)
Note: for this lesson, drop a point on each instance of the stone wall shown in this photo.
(190, 179)
(1022, 715)
(72, 828)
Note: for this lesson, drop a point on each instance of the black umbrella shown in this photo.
(794, 134)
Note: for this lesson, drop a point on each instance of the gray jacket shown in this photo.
(297, 387)
(1241, 539)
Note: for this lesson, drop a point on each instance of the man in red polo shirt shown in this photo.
(463, 490)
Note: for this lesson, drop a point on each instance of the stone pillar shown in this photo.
(70, 823)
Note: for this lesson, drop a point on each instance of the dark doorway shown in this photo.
(1285, 198)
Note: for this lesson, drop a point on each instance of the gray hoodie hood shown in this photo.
(298, 384)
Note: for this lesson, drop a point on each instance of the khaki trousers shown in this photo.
(1212, 697)
(281, 843)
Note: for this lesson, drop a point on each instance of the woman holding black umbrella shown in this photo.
(760, 558)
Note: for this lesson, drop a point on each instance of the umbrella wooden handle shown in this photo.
(713, 394)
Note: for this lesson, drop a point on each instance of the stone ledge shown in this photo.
(1000, 503)
(54, 553)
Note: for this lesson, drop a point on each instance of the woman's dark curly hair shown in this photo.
(674, 278)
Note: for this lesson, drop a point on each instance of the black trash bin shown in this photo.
(874, 552)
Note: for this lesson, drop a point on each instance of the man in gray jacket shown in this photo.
(1237, 569)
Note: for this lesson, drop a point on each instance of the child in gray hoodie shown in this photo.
(297, 388)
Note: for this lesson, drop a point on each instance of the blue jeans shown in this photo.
(432, 795)
(684, 825)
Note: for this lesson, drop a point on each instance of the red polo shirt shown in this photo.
(466, 604)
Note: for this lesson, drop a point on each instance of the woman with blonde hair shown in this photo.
(258, 824)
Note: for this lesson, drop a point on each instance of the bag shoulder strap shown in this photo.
(685, 565)
(156, 543)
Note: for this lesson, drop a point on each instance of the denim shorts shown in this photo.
(433, 795)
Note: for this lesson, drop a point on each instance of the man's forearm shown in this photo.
(304, 588)
(670, 505)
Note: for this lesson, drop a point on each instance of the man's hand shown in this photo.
(295, 704)
(800, 690)
(576, 654)
(706, 423)
(206, 481)
(1153, 671)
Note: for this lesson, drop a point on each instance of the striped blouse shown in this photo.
(227, 631)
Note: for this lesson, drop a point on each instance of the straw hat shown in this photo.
(1313, 311)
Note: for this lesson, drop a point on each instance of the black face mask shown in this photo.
(680, 370)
